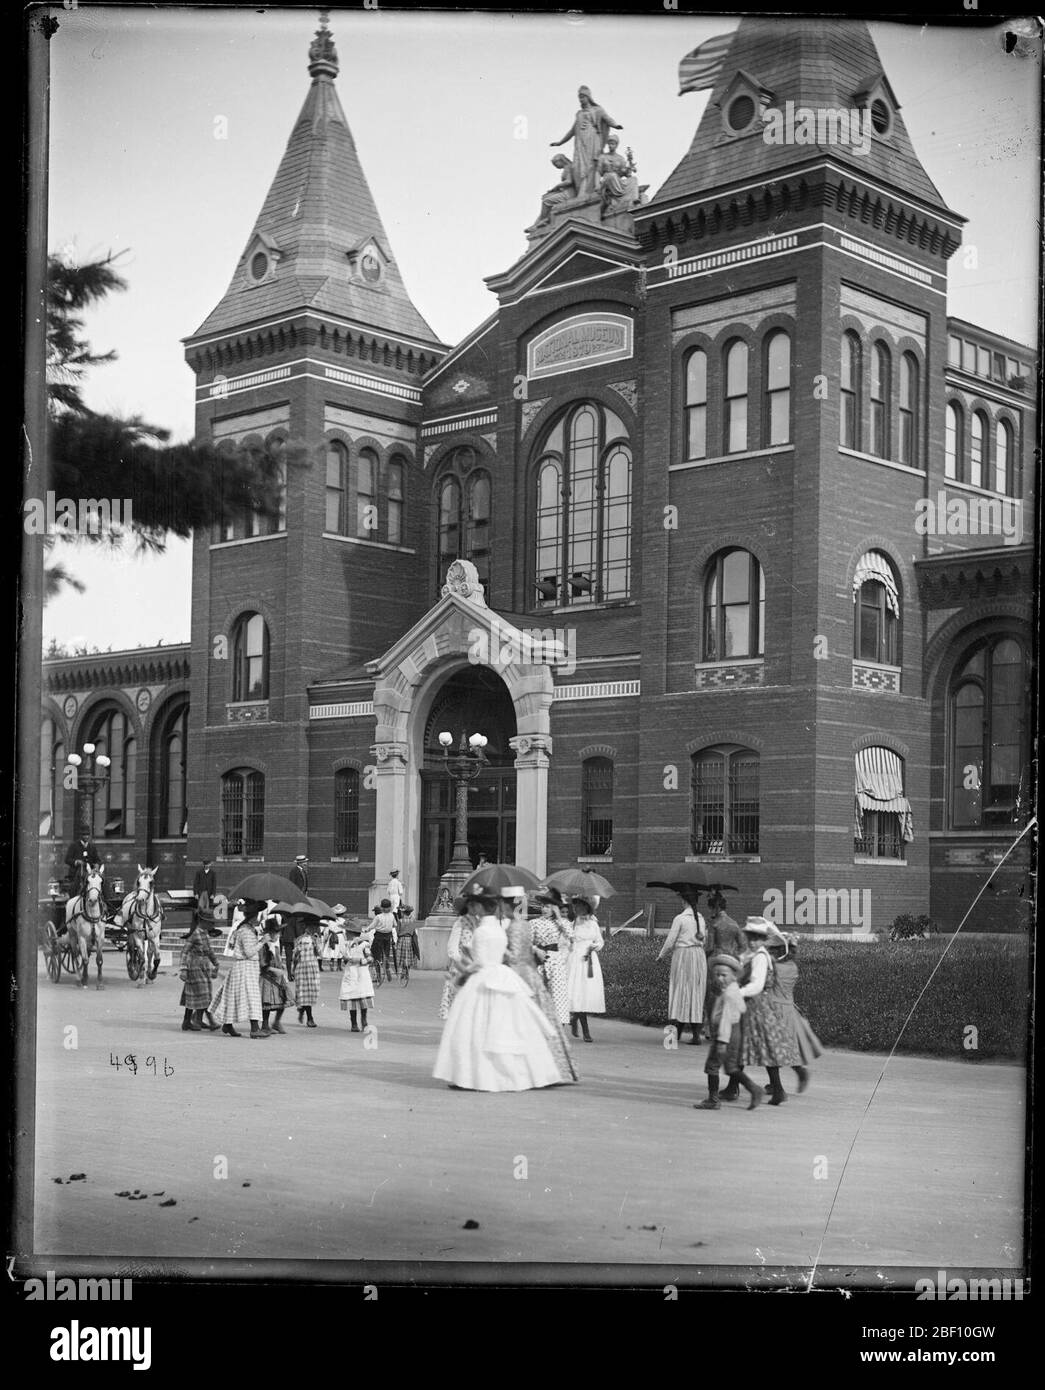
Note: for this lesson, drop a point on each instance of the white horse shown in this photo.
(143, 916)
(85, 920)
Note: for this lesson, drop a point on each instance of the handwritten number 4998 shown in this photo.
(131, 1063)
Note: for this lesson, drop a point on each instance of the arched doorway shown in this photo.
(475, 700)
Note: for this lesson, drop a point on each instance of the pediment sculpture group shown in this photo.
(597, 171)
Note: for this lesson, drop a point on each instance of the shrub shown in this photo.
(858, 994)
(906, 926)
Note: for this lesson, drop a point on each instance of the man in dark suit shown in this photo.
(81, 855)
(204, 888)
(299, 874)
(293, 926)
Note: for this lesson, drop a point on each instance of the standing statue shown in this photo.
(589, 131)
(565, 191)
(618, 183)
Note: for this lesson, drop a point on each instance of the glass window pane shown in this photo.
(779, 417)
(736, 370)
(736, 577)
(779, 363)
(738, 630)
(737, 425)
(968, 356)
(697, 438)
(697, 378)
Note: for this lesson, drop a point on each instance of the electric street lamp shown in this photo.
(462, 767)
(94, 774)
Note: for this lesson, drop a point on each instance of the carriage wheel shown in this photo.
(71, 955)
(135, 960)
(54, 953)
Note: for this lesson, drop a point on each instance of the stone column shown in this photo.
(390, 847)
(532, 757)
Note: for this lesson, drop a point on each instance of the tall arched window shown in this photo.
(696, 423)
(242, 813)
(989, 737)
(876, 597)
(112, 733)
(250, 658)
(778, 388)
(736, 372)
(395, 499)
(583, 513)
(464, 495)
(171, 765)
(880, 373)
(1004, 473)
(977, 448)
(908, 452)
(52, 759)
(337, 484)
(734, 606)
(596, 806)
(367, 517)
(346, 811)
(849, 417)
(724, 801)
(953, 444)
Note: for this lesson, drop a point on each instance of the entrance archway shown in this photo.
(473, 700)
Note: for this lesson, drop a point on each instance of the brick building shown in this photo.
(712, 528)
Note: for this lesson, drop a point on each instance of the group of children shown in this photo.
(754, 1020)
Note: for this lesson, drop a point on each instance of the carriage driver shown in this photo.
(81, 855)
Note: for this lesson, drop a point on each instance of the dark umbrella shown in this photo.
(679, 876)
(263, 886)
(723, 888)
(319, 907)
(494, 877)
(578, 883)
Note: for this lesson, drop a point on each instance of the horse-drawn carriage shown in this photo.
(75, 926)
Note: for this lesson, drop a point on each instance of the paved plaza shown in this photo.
(337, 1151)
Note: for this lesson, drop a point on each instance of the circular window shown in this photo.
(259, 265)
(371, 267)
(741, 113)
(881, 116)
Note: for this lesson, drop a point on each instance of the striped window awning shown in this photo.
(879, 787)
(874, 565)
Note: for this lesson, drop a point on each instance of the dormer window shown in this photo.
(368, 261)
(744, 104)
(879, 100)
(262, 258)
(259, 265)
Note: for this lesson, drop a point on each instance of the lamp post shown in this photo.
(462, 767)
(92, 772)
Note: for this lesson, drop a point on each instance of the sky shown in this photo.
(167, 127)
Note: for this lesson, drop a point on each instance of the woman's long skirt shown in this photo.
(809, 1045)
(586, 992)
(239, 994)
(542, 997)
(767, 1035)
(687, 984)
(496, 1038)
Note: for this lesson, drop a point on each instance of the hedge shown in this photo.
(858, 994)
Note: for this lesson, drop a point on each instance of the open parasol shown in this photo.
(264, 886)
(679, 876)
(578, 883)
(494, 877)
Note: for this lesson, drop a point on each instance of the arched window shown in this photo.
(696, 423)
(778, 388)
(395, 499)
(346, 811)
(736, 364)
(337, 484)
(367, 519)
(883, 823)
(583, 513)
(734, 606)
(989, 738)
(876, 597)
(881, 366)
(953, 443)
(52, 759)
(242, 813)
(1004, 473)
(250, 658)
(977, 448)
(111, 733)
(908, 452)
(725, 801)
(597, 806)
(849, 417)
(171, 754)
(464, 496)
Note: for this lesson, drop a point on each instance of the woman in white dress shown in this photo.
(496, 1038)
(687, 983)
(586, 992)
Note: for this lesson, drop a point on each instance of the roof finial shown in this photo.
(322, 55)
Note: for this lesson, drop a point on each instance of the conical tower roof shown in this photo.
(317, 223)
(825, 64)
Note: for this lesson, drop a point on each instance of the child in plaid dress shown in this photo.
(239, 994)
(199, 966)
(357, 985)
(305, 973)
(276, 989)
(727, 1010)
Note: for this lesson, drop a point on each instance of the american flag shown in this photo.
(700, 69)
